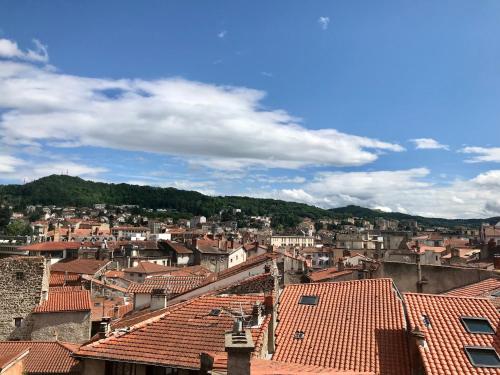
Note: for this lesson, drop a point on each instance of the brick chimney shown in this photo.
(340, 264)
(158, 299)
(239, 347)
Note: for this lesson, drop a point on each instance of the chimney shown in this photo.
(340, 264)
(104, 327)
(269, 303)
(158, 299)
(496, 261)
(239, 347)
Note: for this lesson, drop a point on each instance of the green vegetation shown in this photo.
(73, 191)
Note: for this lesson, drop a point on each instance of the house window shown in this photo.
(483, 357)
(477, 325)
(19, 275)
(308, 300)
(18, 322)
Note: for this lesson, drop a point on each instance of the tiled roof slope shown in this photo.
(480, 289)
(356, 326)
(148, 267)
(446, 336)
(266, 367)
(174, 284)
(43, 357)
(65, 301)
(51, 246)
(79, 266)
(175, 338)
(62, 279)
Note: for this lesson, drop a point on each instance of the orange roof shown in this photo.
(446, 336)
(191, 271)
(43, 357)
(103, 307)
(479, 289)
(79, 266)
(177, 337)
(178, 247)
(174, 284)
(113, 274)
(250, 263)
(266, 367)
(51, 246)
(148, 268)
(328, 273)
(65, 301)
(11, 357)
(60, 279)
(355, 326)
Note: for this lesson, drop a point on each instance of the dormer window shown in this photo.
(308, 300)
(215, 312)
(477, 325)
(483, 356)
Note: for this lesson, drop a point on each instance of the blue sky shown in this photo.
(387, 104)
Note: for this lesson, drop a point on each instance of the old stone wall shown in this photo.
(438, 279)
(64, 326)
(24, 281)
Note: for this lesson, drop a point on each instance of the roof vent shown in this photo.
(426, 320)
(299, 335)
(308, 300)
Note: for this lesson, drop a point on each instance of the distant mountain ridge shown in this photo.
(62, 190)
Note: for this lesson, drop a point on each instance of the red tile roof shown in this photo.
(79, 266)
(65, 301)
(60, 279)
(480, 289)
(175, 338)
(43, 357)
(328, 274)
(174, 284)
(446, 336)
(178, 247)
(250, 263)
(191, 271)
(266, 367)
(10, 358)
(356, 325)
(148, 268)
(51, 246)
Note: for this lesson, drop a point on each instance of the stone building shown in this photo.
(64, 316)
(24, 284)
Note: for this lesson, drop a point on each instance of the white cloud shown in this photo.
(16, 169)
(428, 144)
(323, 22)
(405, 191)
(219, 127)
(482, 154)
(10, 50)
(266, 74)
(222, 34)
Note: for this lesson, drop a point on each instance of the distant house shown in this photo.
(300, 241)
(54, 251)
(145, 269)
(89, 267)
(178, 253)
(130, 233)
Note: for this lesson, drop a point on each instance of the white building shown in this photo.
(301, 241)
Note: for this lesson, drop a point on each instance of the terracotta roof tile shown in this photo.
(43, 357)
(356, 325)
(51, 246)
(61, 279)
(174, 284)
(78, 300)
(445, 334)
(480, 289)
(178, 247)
(328, 274)
(148, 268)
(175, 338)
(79, 266)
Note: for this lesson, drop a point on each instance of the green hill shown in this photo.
(61, 190)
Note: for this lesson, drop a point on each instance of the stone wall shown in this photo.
(64, 326)
(438, 279)
(24, 281)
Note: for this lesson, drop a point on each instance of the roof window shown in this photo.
(427, 321)
(299, 335)
(477, 325)
(483, 357)
(215, 312)
(308, 300)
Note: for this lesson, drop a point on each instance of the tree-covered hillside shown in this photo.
(61, 190)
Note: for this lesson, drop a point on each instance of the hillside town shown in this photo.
(127, 290)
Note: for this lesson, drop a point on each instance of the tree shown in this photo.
(18, 228)
(5, 215)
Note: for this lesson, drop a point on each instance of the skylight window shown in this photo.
(477, 325)
(308, 300)
(483, 357)
(215, 312)
(427, 321)
(299, 335)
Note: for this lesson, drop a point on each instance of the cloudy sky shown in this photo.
(391, 105)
